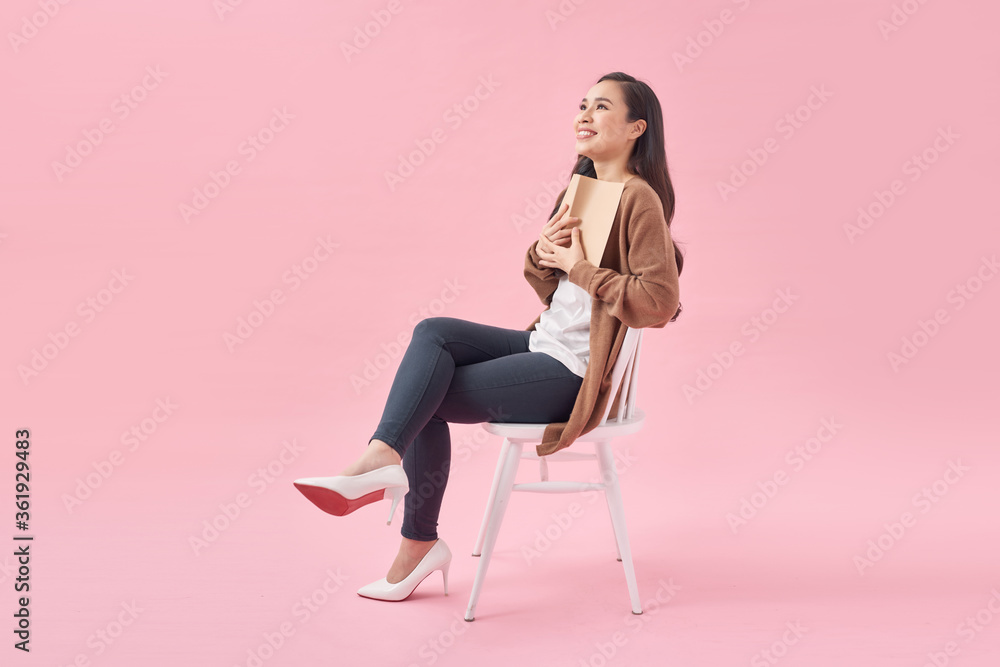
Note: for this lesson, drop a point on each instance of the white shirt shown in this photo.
(563, 331)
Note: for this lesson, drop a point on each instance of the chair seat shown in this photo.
(610, 429)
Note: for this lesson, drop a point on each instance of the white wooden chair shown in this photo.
(628, 420)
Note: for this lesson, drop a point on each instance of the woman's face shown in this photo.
(602, 131)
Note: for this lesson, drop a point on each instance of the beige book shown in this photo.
(595, 202)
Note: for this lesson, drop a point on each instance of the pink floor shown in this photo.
(276, 586)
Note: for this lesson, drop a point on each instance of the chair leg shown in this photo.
(612, 492)
(493, 495)
(508, 472)
(607, 501)
(611, 514)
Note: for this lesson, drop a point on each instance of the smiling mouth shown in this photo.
(585, 135)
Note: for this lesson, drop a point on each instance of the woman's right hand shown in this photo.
(556, 230)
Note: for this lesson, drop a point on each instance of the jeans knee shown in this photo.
(429, 326)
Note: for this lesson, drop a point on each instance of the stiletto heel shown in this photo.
(396, 493)
(437, 558)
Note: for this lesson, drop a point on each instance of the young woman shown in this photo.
(557, 371)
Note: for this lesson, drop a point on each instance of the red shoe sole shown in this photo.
(332, 502)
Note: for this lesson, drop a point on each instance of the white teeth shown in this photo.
(585, 133)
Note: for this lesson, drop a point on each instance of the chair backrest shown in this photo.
(625, 374)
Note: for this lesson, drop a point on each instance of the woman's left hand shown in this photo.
(552, 255)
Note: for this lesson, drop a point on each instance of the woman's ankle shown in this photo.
(382, 453)
(377, 455)
(411, 552)
(416, 547)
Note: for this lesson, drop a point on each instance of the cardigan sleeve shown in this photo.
(543, 279)
(649, 294)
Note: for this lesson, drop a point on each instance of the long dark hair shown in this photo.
(649, 155)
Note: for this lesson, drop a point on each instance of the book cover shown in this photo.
(595, 202)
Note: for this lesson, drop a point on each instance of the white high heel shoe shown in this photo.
(438, 558)
(343, 494)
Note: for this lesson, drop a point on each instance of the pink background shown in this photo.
(450, 240)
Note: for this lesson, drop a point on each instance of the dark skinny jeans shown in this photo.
(465, 373)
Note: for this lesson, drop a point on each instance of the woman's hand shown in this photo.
(554, 236)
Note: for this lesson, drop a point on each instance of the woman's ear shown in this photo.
(638, 128)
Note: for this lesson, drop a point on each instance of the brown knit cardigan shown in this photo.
(636, 285)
